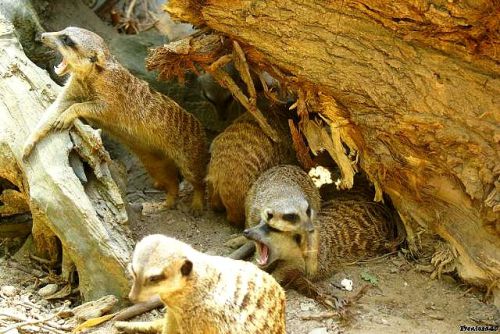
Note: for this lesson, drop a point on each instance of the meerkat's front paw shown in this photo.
(170, 201)
(62, 122)
(236, 242)
(197, 204)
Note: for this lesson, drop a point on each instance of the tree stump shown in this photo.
(78, 211)
(409, 92)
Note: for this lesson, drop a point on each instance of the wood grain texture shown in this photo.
(419, 89)
(88, 218)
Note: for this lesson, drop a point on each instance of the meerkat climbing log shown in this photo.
(83, 210)
(412, 87)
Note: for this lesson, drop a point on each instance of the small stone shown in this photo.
(9, 290)
(43, 303)
(48, 290)
(346, 284)
(306, 306)
(319, 330)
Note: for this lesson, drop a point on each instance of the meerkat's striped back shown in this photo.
(254, 301)
(352, 230)
(238, 156)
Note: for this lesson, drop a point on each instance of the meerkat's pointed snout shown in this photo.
(194, 287)
(255, 232)
(48, 38)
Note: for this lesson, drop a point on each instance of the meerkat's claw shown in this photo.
(196, 209)
(190, 210)
(62, 123)
(170, 202)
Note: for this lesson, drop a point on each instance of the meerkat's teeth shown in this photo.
(263, 252)
(61, 68)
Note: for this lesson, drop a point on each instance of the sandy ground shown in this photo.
(403, 300)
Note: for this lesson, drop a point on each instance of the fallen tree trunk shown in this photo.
(78, 212)
(410, 89)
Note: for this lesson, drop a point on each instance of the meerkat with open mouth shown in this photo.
(168, 140)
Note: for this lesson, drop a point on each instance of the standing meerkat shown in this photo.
(205, 294)
(166, 138)
(238, 156)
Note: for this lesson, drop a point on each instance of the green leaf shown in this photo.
(369, 278)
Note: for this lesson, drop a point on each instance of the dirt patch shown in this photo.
(402, 300)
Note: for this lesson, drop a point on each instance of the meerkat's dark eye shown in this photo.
(155, 278)
(291, 217)
(269, 216)
(67, 41)
(297, 238)
(93, 59)
(186, 268)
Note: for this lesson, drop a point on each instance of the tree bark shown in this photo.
(412, 87)
(77, 208)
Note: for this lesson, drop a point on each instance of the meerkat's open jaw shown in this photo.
(62, 68)
(265, 256)
(59, 41)
(69, 43)
(262, 253)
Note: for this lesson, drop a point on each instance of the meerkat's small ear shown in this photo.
(97, 57)
(186, 268)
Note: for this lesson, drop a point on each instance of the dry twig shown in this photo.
(226, 81)
(42, 323)
(138, 309)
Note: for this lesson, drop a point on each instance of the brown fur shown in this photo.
(347, 229)
(285, 198)
(166, 138)
(280, 190)
(206, 294)
(238, 156)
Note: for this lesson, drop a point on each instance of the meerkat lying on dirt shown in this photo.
(205, 294)
(286, 199)
(344, 230)
(238, 156)
(166, 138)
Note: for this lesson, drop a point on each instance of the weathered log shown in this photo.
(84, 217)
(410, 88)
